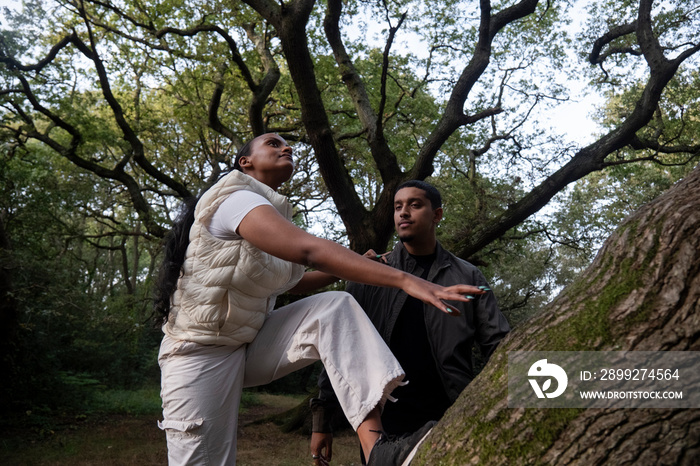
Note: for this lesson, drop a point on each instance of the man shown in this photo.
(434, 348)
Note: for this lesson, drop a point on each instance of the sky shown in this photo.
(10, 3)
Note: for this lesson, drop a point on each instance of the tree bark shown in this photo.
(641, 293)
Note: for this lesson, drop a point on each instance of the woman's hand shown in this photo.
(438, 296)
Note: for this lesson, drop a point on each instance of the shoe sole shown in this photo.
(410, 456)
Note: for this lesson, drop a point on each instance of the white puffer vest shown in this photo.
(228, 286)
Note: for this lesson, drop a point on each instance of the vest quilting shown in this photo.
(227, 287)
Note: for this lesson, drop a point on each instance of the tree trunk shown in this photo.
(641, 293)
(9, 322)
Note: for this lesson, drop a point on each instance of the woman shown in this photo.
(224, 266)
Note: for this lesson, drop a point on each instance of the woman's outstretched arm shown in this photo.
(269, 231)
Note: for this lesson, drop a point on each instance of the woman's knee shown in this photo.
(341, 300)
(340, 309)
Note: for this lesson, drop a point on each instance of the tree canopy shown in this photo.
(155, 98)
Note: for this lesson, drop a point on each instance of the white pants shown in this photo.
(202, 384)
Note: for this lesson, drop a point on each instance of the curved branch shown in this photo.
(487, 113)
(454, 115)
(262, 92)
(76, 137)
(233, 47)
(592, 157)
(385, 68)
(385, 160)
(654, 159)
(213, 110)
(128, 132)
(290, 25)
(595, 56)
(382, 155)
(639, 143)
(14, 64)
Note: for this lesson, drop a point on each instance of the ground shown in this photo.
(136, 440)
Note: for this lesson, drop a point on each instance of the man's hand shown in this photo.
(371, 254)
(321, 448)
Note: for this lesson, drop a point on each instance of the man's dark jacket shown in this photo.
(451, 338)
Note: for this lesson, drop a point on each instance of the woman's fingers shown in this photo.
(440, 296)
(463, 293)
(449, 309)
(466, 289)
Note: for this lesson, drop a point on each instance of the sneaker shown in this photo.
(392, 451)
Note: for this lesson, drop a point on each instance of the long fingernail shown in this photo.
(448, 310)
(379, 256)
(468, 296)
(485, 288)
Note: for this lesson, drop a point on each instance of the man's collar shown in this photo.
(399, 254)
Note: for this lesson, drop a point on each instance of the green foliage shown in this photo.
(77, 325)
(139, 402)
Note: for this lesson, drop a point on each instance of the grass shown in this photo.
(121, 430)
(145, 401)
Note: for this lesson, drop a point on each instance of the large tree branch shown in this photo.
(290, 22)
(128, 132)
(267, 84)
(38, 66)
(371, 122)
(640, 143)
(596, 56)
(70, 150)
(383, 156)
(75, 136)
(592, 157)
(215, 122)
(454, 115)
(348, 73)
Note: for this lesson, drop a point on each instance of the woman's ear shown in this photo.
(243, 161)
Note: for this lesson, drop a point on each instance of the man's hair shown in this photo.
(431, 191)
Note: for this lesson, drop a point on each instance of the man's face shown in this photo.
(414, 217)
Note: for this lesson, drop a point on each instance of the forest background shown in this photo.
(113, 112)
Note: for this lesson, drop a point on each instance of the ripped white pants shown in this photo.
(202, 384)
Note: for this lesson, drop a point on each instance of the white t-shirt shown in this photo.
(232, 211)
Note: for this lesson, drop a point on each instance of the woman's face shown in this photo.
(270, 160)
